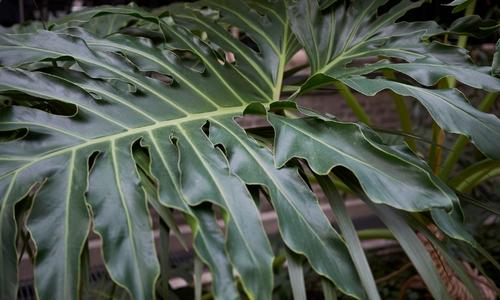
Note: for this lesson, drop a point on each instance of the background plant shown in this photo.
(115, 111)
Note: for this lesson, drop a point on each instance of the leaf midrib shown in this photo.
(48, 96)
(233, 111)
(357, 22)
(62, 131)
(332, 64)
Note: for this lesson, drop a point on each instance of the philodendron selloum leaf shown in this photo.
(81, 102)
(167, 117)
(351, 32)
(121, 118)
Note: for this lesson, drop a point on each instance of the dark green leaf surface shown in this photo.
(60, 198)
(303, 226)
(121, 122)
(384, 173)
(448, 107)
(349, 33)
(105, 80)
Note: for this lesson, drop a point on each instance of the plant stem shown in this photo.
(377, 233)
(472, 171)
(353, 102)
(475, 179)
(435, 150)
(462, 140)
(395, 273)
(296, 274)
(403, 113)
(164, 258)
(198, 270)
(462, 40)
(448, 82)
(328, 289)
(350, 236)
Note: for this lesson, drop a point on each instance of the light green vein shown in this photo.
(48, 96)
(209, 64)
(251, 25)
(227, 111)
(116, 71)
(46, 126)
(127, 214)
(69, 187)
(232, 42)
(221, 191)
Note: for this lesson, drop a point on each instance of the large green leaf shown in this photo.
(124, 124)
(168, 120)
(61, 198)
(123, 118)
(352, 32)
(78, 99)
(326, 144)
(310, 232)
(208, 240)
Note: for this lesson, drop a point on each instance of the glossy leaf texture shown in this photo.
(336, 40)
(82, 95)
(125, 89)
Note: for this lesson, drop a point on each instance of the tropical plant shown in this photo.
(113, 113)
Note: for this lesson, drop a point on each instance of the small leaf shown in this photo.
(350, 235)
